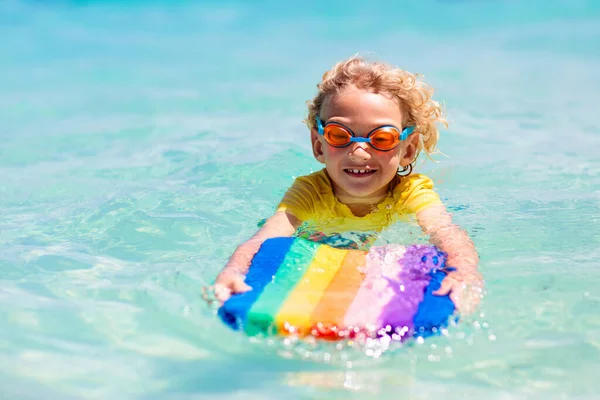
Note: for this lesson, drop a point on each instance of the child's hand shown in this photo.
(227, 283)
(465, 288)
(231, 279)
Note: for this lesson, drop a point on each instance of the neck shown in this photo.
(352, 200)
(361, 206)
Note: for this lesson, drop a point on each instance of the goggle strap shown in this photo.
(320, 128)
(405, 132)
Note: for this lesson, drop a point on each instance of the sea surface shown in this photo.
(141, 141)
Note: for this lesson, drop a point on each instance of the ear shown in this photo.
(410, 149)
(317, 146)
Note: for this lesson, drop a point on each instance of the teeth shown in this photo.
(359, 171)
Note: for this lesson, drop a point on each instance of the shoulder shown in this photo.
(415, 192)
(411, 182)
(317, 182)
(307, 195)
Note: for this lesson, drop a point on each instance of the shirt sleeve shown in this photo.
(300, 198)
(416, 194)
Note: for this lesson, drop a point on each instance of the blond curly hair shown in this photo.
(413, 95)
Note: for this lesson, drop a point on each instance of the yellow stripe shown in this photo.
(294, 315)
(341, 291)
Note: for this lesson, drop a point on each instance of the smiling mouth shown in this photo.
(359, 172)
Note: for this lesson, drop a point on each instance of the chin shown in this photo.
(366, 188)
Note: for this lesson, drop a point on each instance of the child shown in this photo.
(368, 123)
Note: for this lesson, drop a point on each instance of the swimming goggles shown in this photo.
(383, 138)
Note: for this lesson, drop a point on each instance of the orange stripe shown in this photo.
(294, 315)
(328, 316)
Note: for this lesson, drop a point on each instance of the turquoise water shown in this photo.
(142, 141)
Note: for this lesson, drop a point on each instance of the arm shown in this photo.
(231, 278)
(462, 255)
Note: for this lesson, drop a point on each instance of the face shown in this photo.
(358, 170)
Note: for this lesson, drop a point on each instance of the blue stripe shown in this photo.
(433, 311)
(264, 265)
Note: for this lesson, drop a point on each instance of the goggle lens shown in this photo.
(337, 136)
(385, 138)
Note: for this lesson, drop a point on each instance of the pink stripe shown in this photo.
(374, 294)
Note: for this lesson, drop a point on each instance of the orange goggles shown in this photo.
(382, 138)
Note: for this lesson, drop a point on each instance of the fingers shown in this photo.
(239, 286)
(222, 292)
(207, 292)
(471, 299)
(452, 287)
(445, 287)
(455, 297)
(465, 298)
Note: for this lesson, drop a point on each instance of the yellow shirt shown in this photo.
(311, 200)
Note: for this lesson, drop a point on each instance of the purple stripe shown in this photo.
(408, 285)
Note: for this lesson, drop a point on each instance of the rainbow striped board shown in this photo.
(304, 288)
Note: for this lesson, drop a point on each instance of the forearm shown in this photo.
(455, 242)
(462, 255)
(449, 238)
(240, 260)
(280, 224)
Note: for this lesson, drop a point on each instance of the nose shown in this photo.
(359, 152)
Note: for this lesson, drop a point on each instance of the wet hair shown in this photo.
(413, 95)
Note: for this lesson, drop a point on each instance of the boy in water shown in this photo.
(368, 124)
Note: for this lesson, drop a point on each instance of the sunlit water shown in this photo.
(141, 142)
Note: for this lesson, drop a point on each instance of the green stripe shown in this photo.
(294, 265)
